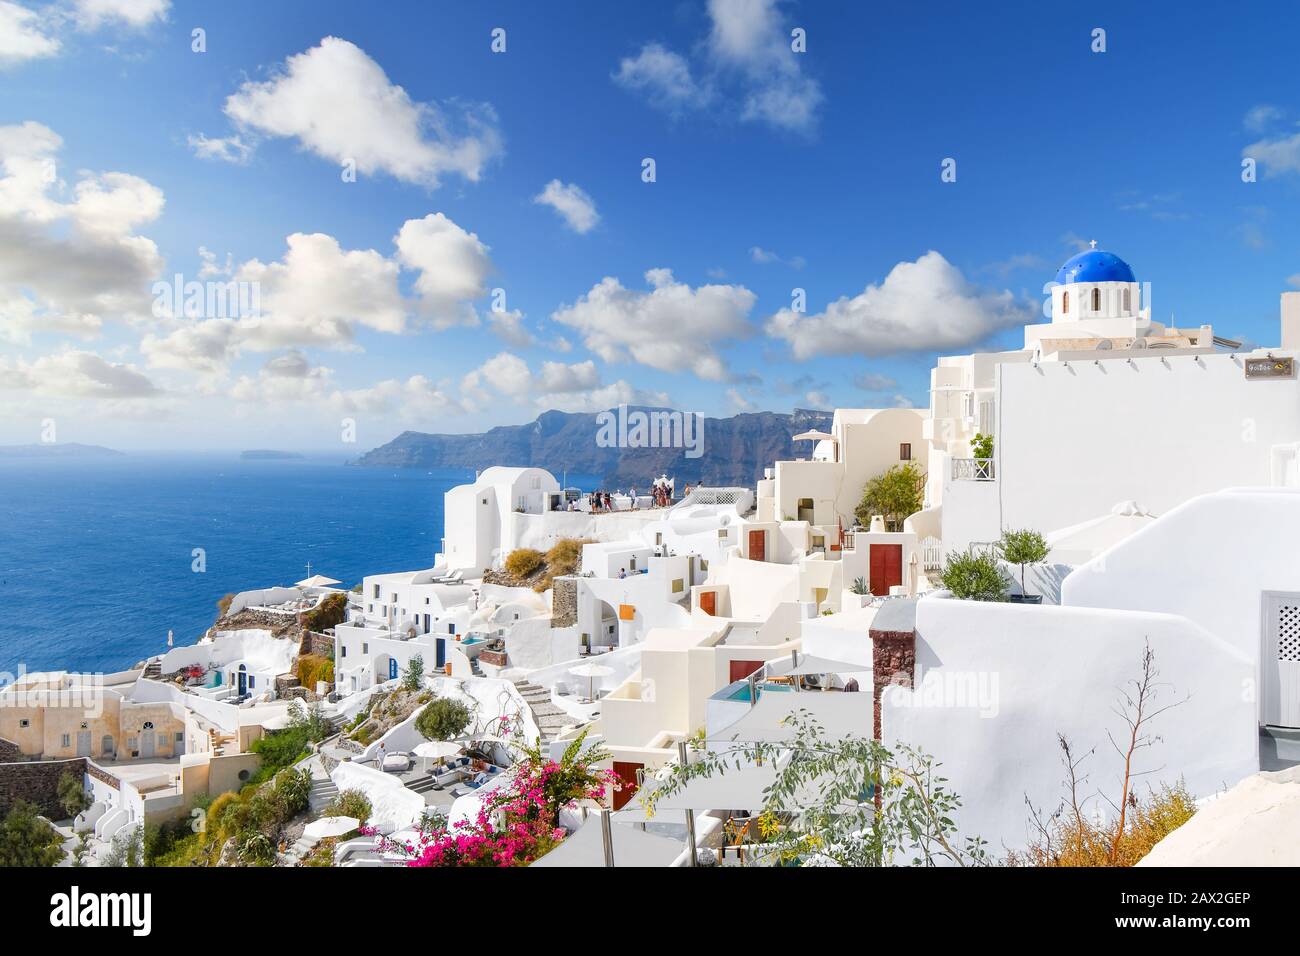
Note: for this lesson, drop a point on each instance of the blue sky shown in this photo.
(775, 171)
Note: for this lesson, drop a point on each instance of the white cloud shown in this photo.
(673, 327)
(70, 257)
(664, 78)
(204, 347)
(874, 382)
(818, 400)
(746, 60)
(1276, 156)
(569, 388)
(572, 203)
(92, 14)
(766, 257)
(76, 374)
(338, 103)
(228, 149)
(509, 328)
(921, 305)
(738, 401)
(453, 266)
(1260, 118)
(23, 35)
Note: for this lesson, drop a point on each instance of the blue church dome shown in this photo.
(1095, 266)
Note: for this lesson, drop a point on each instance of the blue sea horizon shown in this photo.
(97, 554)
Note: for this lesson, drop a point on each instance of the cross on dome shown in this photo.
(1093, 243)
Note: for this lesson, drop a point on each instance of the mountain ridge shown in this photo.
(735, 449)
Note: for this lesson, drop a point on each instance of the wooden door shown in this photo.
(625, 770)
(886, 567)
(757, 546)
(739, 670)
(1281, 662)
(709, 602)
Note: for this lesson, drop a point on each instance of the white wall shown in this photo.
(1073, 440)
(1209, 560)
(1045, 671)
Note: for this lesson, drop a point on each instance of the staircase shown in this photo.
(550, 719)
(218, 742)
(475, 667)
(153, 669)
(323, 793)
(422, 784)
(295, 853)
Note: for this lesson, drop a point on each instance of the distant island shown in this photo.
(267, 454)
(66, 450)
(735, 452)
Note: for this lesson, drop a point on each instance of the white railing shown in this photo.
(931, 554)
(973, 469)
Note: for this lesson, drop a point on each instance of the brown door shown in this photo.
(886, 567)
(742, 669)
(709, 602)
(757, 546)
(626, 772)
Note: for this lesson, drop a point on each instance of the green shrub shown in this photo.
(328, 613)
(982, 446)
(72, 794)
(860, 586)
(443, 719)
(351, 803)
(973, 576)
(312, 668)
(524, 562)
(413, 678)
(26, 839)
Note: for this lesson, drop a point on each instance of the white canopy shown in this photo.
(317, 581)
(330, 827)
(592, 669)
(813, 435)
(632, 847)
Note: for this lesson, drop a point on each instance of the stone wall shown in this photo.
(38, 782)
(893, 661)
(564, 602)
(9, 751)
(314, 642)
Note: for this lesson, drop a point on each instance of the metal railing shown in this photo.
(973, 469)
(931, 554)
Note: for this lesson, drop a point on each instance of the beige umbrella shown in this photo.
(591, 671)
(330, 827)
(813, 435)
(317, 581)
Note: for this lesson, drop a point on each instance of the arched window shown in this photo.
(1096, 300)
(1065, 302)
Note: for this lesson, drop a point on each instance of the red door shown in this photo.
(742, 669)
(757, 546)
(886, 567)
(709, 602)
(626, 772)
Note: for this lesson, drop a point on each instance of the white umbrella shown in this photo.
(813, 435)
(170, 638)
(330, 827)
(317, 581)
(437, 749)
(591, 671)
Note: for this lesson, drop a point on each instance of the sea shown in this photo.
(101, 557)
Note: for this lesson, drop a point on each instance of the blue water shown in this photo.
(96, 555)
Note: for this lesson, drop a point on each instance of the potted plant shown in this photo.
(1023, 548)
(974, 576)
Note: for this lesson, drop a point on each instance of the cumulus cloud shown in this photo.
(76, 374)
(747, 59)
(922, 305)
(70, 256)
(767, 257)
(572, 203)
(1276, 155)
(453, 267)
(24, 35)
(565, 387)
(663, 78)
(338, 103)
(673, 327)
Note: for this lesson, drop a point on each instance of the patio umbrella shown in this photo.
(591, 671)
(437, 749)
(813, 435)
(330, 827)
(317, 581)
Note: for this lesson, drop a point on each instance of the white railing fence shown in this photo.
(973, 469)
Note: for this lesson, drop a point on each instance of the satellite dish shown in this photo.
(1104, 345)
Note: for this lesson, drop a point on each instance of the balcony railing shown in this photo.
(973, 469)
